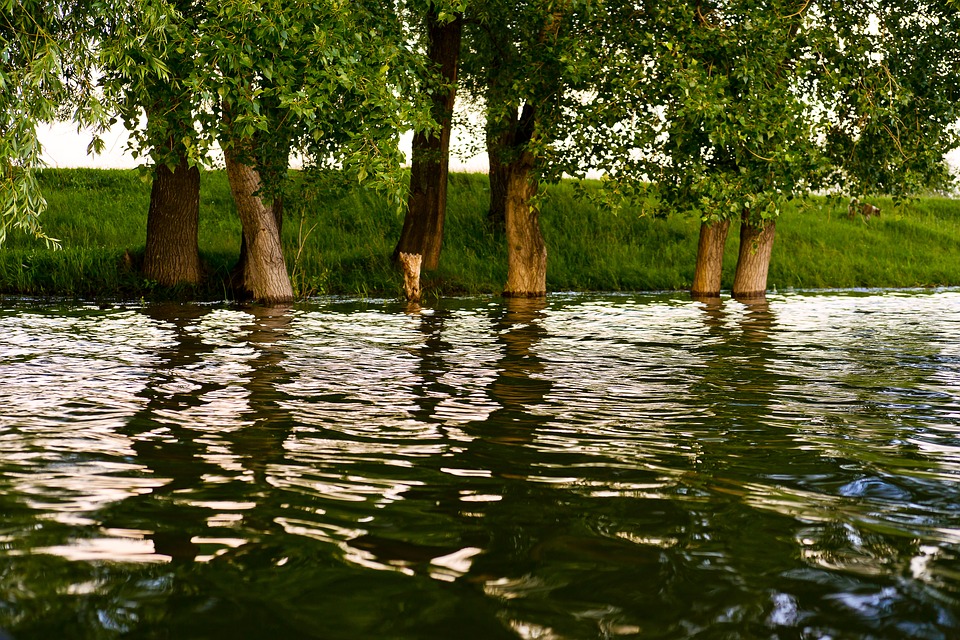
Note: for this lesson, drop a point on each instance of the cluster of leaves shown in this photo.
(329, 81)
(53, 56)
(31, 88)
(529, 63)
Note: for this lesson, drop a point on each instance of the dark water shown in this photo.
(585, 467)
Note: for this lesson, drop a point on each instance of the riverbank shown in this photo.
(341, 243)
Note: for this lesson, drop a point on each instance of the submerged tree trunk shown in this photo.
(706, 277)
(172, 255)
(410, 264)
(526, 249)
(756, 246)
(427, 204)
(265, 276)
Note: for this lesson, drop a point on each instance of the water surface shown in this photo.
(581, 467)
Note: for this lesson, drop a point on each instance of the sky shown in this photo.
(65, 147)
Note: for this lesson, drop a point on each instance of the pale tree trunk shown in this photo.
(265, 276)
(410, 264)
(172, 255)
(236, 274)
(275, 149)
(709, 269)
(526, 249)
(427, 204)
(756, 246)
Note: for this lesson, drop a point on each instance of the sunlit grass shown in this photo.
(340, 243)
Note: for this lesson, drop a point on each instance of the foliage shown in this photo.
(744, 105)
(327, 81)
(738, 134)
(32, 87)
(891, 77)
(146, 56)
(714, 106)
(530, 64)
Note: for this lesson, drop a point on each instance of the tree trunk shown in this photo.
(172, 255)
(273, 151)
(706, 277)
(236, 274)
(526, 249)
(427, 204)
(497, 176)
(756, 245)
(410, 264)
(265, 276)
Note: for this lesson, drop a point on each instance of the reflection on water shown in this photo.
(585, 466)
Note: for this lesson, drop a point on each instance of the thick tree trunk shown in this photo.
(427, 205)
(265, 276)
(756, 245)
(172, 256)
(526, 249)
(706, 276)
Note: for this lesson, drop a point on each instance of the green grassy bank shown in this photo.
(340, 243)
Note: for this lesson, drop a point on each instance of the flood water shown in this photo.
(582, 467)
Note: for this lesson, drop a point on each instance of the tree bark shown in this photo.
(497, 176)
(526, 249)
(427, 204)
(756, 246)
(265, 276)
(172, 255)
(709, 269)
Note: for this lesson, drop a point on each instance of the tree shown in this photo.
(82, 61)
(44, 53)
(145, 69)
(737, 135)
(529, 64)
(172, 253)
(180, 132)
(759, 103)
(260, 79)
(324, 80)
(891, 75)
(426, 209)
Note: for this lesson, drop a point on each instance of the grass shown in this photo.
(340, 243)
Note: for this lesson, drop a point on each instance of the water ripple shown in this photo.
(589, 465)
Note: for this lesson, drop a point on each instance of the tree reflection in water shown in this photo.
(166, 444)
